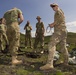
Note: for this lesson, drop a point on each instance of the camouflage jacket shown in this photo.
(2, 28)
(12, 15)
(40, 28)
(28, 29)
(59, 20)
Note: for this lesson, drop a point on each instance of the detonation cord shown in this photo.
(49, 29)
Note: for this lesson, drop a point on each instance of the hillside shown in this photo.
(71, 37)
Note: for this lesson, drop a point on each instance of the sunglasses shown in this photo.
(52, 6)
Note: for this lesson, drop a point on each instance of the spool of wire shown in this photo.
(48, 29)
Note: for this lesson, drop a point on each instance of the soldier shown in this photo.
(39, 33)
(13, 18)
(3, 35)
(28, 29)
(60, 35)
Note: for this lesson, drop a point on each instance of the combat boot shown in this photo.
(15, 61)
(46, 67)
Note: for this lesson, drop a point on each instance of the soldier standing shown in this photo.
(28, 29)
(60, 35)
(39, 33)
(3, 35)
(13, 18)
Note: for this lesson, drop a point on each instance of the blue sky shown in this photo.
(33, 8)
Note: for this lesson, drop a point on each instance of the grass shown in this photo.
(31, 65)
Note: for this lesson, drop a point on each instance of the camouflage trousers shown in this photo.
(13, 35)
(39, 39)
(3, 39)
(28, 40)
(55, 39)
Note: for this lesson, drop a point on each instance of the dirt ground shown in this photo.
(30, 66)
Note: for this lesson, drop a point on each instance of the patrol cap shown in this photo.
(53, 4)
(38, 17)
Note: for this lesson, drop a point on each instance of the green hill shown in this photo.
(71, 37)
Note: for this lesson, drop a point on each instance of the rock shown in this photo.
(72, 60)
(56, 56)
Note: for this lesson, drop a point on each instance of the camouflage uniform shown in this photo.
(60, 35)
(40, 35)
(28, 37)
(3, 36)
(13, 30)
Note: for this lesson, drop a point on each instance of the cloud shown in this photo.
(71, 23)
(71, 26)
(33, 33)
